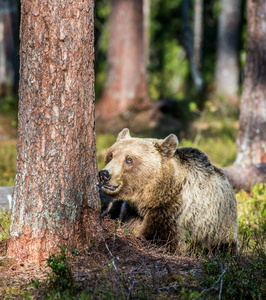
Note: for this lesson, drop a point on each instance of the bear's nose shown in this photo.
(104, 175)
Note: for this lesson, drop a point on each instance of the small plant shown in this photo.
(234, 278)
(252, 218)
(5, 220)
(61, 278)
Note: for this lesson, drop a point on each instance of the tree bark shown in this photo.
(56, 198)
(126, 83)
(245, 177)
(227, 66)
(8, 61)
(251, 140)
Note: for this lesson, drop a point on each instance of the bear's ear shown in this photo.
(167, 146)
(124, 134)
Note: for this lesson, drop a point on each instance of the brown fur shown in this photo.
(175, 193)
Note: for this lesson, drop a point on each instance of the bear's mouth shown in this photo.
(110, 187)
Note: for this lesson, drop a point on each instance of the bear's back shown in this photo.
(195, 160)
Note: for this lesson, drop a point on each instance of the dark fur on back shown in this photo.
(194, 158)
(197, 160)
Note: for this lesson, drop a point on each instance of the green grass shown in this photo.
(252, 218)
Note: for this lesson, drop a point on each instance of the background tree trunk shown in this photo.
(251, 140)
(245, 177)
(197, 36)
(250, 164)
(192, 42)
(56, 199)
(227, 66)
(126, 83)
(146, 31)
(8, 61)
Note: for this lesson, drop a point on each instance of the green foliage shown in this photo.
(5, 221)
(168, 64)
(169, 82)
(244, 277)
(252, 218)
(9, 105)
(7, 163)
(61, 279)
(102, 11)
(103, 142)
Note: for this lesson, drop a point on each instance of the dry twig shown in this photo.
(113, 260)
(214, 285)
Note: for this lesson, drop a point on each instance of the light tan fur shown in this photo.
(176, 192)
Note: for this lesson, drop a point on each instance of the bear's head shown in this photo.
(135, 165)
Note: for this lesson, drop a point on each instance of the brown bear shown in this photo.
(171, 195)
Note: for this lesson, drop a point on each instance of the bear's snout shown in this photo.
(104, 175)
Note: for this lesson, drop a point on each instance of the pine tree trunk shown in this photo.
(251, 141)
(227, 67)
(126, 83)
(56, 199)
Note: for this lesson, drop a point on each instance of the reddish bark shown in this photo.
(251, 144)
(126, 83)
(56, 199)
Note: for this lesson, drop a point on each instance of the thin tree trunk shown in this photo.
(126, 83)
(146, 30)
(197, 40)
(8, 15)
(227, 67)
(251, 140)
(189, 45)
(56, 199)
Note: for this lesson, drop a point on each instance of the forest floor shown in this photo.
(122, 266)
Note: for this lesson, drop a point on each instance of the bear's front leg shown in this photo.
(159, 229)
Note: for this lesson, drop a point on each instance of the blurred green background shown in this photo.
(208, 121)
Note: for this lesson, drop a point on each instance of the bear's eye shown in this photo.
(129, 161)
(110, 157)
